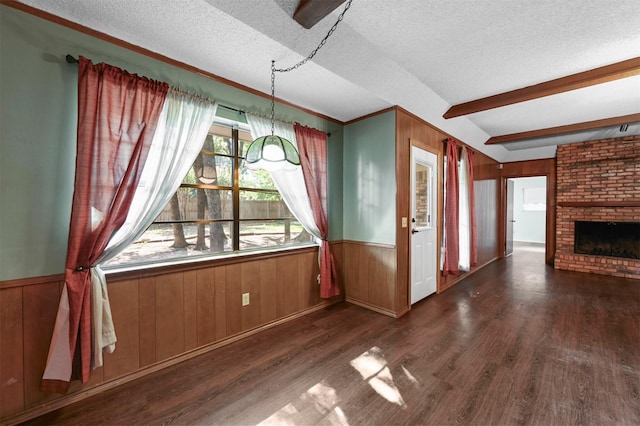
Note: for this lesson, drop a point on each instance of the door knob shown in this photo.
(414, 231)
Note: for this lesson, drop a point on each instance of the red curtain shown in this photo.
(451, 210)
(312, 146)
(472, 209)
(117, 117)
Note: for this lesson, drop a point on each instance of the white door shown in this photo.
(424, 172)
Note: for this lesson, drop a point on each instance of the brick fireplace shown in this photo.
(597, 181)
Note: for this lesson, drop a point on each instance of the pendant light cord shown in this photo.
(274, 70)
(273, 96)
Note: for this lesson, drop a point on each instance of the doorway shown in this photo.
(424, 174)
(526, 214)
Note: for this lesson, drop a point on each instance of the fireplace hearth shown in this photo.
(611, 239)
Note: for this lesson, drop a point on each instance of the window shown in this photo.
(423, 196)
(534, 199)
(221, 207)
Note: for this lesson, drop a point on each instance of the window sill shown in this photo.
(121, 273)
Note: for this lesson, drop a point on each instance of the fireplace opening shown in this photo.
(614, 239)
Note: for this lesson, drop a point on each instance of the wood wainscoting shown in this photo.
(160, 319)
(517, 343)
(370, 276)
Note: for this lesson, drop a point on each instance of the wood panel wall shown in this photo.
(370, 276)
(159, 318)
(337, 251)
(411, 129)
(486, 175)
(544, 167)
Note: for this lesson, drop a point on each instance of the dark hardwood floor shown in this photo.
(516, 343)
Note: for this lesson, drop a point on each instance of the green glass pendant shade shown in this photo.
(272, 153)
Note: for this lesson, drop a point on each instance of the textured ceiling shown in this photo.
(423, 55)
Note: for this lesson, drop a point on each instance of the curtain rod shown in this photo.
(72, 60)
(445, 140)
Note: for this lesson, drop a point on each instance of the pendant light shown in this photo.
(273, 152)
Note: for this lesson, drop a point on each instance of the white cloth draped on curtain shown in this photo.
(118, 113)
(182, 129)
(290, 183)
(459, 196)
(464, 214)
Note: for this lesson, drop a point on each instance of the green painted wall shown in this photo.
(335, 183)
(369, 190)
(37, 134)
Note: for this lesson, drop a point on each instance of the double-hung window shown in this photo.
(221, 207)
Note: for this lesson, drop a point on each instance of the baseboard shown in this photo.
(374, 308)
(466, 275)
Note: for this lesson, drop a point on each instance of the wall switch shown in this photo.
(404, 222)
(245, 299)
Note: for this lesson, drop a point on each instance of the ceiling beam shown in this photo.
(580, 80)
(587, 125)
(310, 12)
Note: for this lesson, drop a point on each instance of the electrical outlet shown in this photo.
(245, 299)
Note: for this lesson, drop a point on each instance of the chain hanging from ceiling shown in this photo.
(274, 152)
(274, 70)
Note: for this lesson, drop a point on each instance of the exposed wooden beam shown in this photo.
(606, 122)
(592, 77)
(310, 12)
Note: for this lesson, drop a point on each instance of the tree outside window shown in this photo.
(221, 207)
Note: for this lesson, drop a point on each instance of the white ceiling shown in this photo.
(423, 55)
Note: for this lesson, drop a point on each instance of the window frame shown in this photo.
(219, 128)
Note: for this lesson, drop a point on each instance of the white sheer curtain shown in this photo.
(465, 212)
(181, 131)
(444, 216)
(289, 183)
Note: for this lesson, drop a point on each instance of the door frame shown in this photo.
(509, 221)
(428, 159)
(530, 168)
(440, 209)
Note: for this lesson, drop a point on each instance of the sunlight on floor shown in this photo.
(373, 368)
(321, 398)
(409, 376)
(321, 401)
(465, 314)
